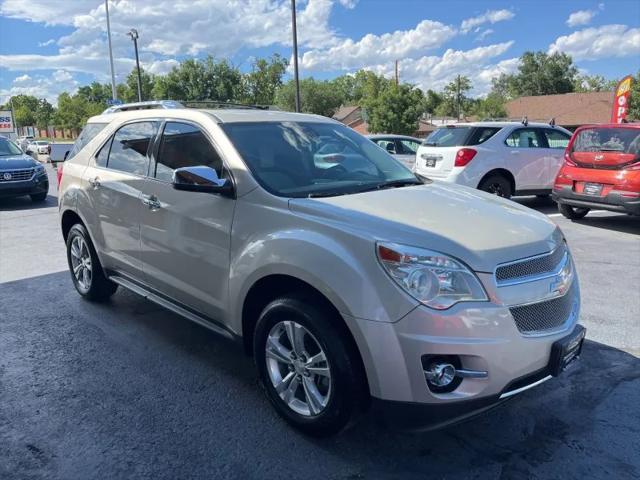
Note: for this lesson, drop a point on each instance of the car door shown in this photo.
(526, 158)
(556, 143)
(185, 236)
(406, 151)
(113, 183)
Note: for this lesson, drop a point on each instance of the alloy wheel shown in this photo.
(81, 262)
(298, 368)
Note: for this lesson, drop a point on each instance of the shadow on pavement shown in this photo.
(25, 203)
(128, 389)
(617, 222)
(542, 204)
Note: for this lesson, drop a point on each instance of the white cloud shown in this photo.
(370, 49)
(581, 17)
(602, 42)
(490, 16)
(41, 86)
(51, 41)
(484, 34)
(46, 11)
(434, 72)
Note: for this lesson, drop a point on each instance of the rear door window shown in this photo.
(524, 138)
(130, 147)
(556, 138)
(86, 135)
(482, 134)
(408, 147)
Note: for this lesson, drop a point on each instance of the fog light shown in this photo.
(440, 374)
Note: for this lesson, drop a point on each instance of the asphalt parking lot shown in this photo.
(130, 390)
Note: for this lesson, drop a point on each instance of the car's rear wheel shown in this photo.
(308, 370)
(39, 197)
(572, 213)
(497, 185)
(86, 272)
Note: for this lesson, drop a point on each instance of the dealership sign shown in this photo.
(6, 121)
(621, 100)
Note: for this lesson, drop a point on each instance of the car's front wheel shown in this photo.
(86, 272)
(572, 213)
(310, 373)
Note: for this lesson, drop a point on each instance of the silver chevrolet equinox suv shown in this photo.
(353, 283)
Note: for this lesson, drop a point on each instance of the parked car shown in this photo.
(20, 174)
(601, 170)
(39, 147)
(350, 289)
(401, 147)
(503, 158)
(24, 141)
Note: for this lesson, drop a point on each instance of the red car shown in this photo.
(601, 170)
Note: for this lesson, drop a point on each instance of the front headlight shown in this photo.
(433, 278)
(40, 169)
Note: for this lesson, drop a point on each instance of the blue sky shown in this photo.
(50, 46)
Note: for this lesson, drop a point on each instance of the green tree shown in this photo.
(593, 83)
(44, 114)
(634, 99)
(432, 101)
(263, 81)
(490, 107)
(130, 91)
(24, 109)
(96, 92)
(396, 110)
(539, 74)
(316, 96)
(74, 110)
(455, 101)
(194, 80)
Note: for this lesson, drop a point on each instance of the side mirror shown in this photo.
(201, 179)
(391, 148)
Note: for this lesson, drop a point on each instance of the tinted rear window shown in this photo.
(87, 134)
(460, 136)
(622, 140)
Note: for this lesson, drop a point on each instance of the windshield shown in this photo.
(448, 137)
(621, 140)
(39, 143)
(8, 148)
(303, 159)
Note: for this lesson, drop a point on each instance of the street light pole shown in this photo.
(114, 92)
(134, 36)
(295, 53)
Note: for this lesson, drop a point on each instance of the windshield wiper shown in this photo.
(329, 193)
(392, 184)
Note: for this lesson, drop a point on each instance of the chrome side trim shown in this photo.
(170, 306)
(526, 387)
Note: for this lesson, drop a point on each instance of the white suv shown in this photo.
(503, 158)
(249, 223)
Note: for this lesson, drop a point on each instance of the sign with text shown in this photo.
(621, 100)
(6, 121)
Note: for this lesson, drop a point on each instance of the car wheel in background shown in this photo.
(310, 373)
(572, 213)
(39, 197)
(497, 185)
(86, 272)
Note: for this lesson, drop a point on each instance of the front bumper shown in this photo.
(613, 201)
(37, 184)
(483, 336)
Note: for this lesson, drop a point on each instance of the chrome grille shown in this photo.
(532, 266)
(16, 175)
(546, 316)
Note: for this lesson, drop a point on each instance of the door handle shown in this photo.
(515, 152)
(151, 201)
(94, 182)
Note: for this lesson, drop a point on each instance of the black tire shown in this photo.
(543, 196)
(497, 185)
(572, 213)
(97, 287)
(39, 197)
(348, 395)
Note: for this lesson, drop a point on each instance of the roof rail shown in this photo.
(219, 104)
(164, 104)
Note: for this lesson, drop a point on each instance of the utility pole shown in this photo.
(458, 97)
(134, 36)
(397, 75)
(114, 93)
(295, 53)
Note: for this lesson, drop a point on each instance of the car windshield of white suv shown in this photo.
(8, 149)
(622, 140)
(315, 159)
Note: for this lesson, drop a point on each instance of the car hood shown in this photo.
(480, 229)
(14, 162)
